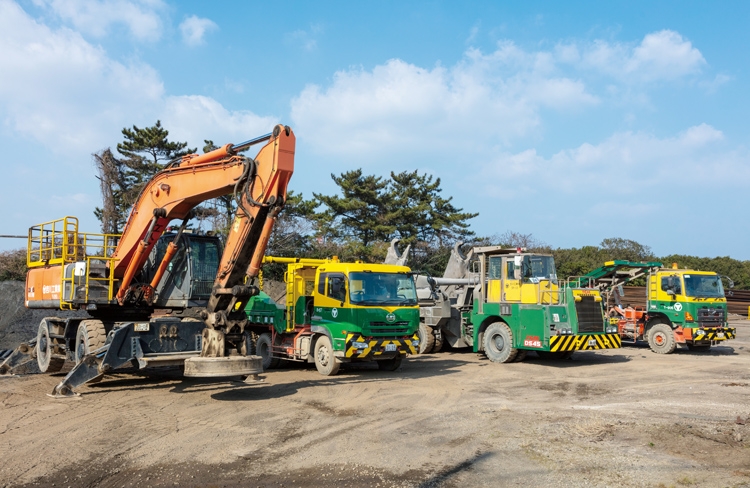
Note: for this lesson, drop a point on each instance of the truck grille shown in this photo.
(710, 315)
(395, 328)
(589, 313)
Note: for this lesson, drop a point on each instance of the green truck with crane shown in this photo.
(683, 306)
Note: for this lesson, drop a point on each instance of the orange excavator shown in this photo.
(159, 295)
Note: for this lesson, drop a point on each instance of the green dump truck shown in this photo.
(336, 313)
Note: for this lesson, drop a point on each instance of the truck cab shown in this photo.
(691, 303)
(337, 312)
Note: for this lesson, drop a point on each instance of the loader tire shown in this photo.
(439, 340)
(426, 338)
(90, 336)
(263, 347)
(46, 359)
(498, 343)
(325, 361)
(661, 339)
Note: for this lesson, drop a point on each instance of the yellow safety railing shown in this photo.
(58, 242)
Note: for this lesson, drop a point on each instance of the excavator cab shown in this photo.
(190, 274)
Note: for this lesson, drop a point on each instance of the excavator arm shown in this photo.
(260, 188)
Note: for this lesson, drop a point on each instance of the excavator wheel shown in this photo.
(498, 343)
(661, 339)
(46, 358)
(91, 336)
(263, 347)
(426, 338)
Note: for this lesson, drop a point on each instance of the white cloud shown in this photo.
(663, 55)
(195, 28)
(195, 118)
(630, 164)
(306, 39)
(96, 17)
(495, 98)
(56, 87)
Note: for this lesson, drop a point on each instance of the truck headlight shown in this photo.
(415, 343)
(359, 345)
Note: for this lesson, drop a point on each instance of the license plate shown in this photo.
(390, 347)
(592, 342)
(141, 327)
(720, 335)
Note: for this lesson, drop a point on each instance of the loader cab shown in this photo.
(190, 275)
(517, 277)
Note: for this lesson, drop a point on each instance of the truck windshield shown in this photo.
(703, 286)
(382, 289)
(537, 268)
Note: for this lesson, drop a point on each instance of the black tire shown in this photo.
(426, 338)
(247, 346)
(324, 359)
(554, 356)
(498, 343)
(90, 336)
(263, 348)
(439, 341)
(699, 347)
(661, 339)
(47, 361)
(390, 364)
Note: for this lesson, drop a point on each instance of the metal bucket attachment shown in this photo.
(199, 367)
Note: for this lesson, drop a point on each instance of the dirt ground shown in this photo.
(626, 417)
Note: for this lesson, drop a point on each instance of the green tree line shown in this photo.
(357, 222)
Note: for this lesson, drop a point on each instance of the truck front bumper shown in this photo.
(360, 347)
(586, 342)
(713, 334)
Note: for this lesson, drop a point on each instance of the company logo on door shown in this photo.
(532, 341)
(335, 313)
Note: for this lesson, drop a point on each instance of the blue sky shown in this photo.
(571, 121)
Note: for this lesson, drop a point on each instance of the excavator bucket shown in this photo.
(21, 361)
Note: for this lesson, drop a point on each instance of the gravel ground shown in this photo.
(625, 417)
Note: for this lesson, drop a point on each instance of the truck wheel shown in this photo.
(263, 347)
(46, 360)
(426, 338)
(90, 337)
(324, 359)
(498, 343)
(390, 364)
(699, 347)
(661, 339)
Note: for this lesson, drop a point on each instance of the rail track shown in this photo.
(738, 301)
